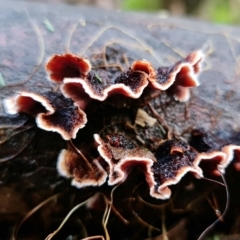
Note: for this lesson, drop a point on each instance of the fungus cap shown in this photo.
(71, 165)
(67, 65)
(53, 112)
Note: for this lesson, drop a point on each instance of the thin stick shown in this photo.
(211, 180)
(164, 230)
(50, 236)
(81, 154)
(119, 42)
(118, 214)
(175, 50)
(93, 237)
(161, 121)
(104, 29)
(107, 212)
(206, 231)
(143, 222)
(110, 65)
(104, 218)
(5, 159)
(42, 53)
(160, 207)
(29, 214)
(126, 60)
(111, 202)
(72, 30)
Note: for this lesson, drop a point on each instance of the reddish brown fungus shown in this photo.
(122, 155)
(232, 153)
(211, 158)
(181, 94)
(172, 160)
(175, 158)
(83, 174)
(211, 162)
(53, 112)
(183, 73)
(144, 66)
(195, 59)
(67, 66)
(180, 77)
(100, 84)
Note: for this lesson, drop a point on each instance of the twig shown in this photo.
(29, 214)
(50, 236)
(206, 231)
(78, 151)
(211, 180)
(104, 29)
(42, 53)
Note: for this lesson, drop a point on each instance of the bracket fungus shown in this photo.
(75, 72)
(80, 84)
(66, 66)
(174, 159)
(122, 155)
(82, 172)
(53, 112)
(99, 84)
(180, 77)
(214, 156)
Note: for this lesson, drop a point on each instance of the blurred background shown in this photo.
(220, 11)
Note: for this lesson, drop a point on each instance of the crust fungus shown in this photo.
(122, 155)
(232, 152)
(79, 82)
(175, 158)
(170, 163)
(180, 77)
(67, 66)
(213, 158)
(53, 112)
(101, 84)
(83, 173)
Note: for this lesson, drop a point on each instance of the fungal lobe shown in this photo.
(101, 83)
(172, 157)
(213, 156)
(75, 72)
(122, 155)
(67, 66)
(72, 165)
(53, 112)
(175, 158)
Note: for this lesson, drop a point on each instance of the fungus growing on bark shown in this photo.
(180, 77)
(212, 158)
(67, 66)
(79, 81)
(52, 111)
(172, 160)
(122, 155)
(100, 84)
(175, 158)
(83, 173)
(232, 152)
